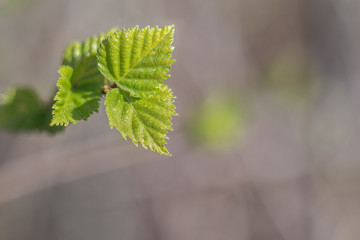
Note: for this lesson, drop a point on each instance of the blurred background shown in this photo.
(265, 145)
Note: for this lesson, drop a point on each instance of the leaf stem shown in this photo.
(108, 88)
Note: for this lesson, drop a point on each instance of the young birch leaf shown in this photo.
(144, 120)
(21, 109)
(137, 60)
(80, 83)
(75, 101)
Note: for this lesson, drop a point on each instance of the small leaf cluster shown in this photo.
(128, 67)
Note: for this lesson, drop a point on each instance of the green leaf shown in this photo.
(75, 101)
(22, 110)
(79, 52)
(144, 120)
(80, 83)
(137, 60)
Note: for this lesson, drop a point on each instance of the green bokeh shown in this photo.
(219, 122)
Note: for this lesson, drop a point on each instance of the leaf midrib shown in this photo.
(144, 126)
(147, 53)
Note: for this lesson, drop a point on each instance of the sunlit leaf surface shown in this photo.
(137, 60)
(144, 120)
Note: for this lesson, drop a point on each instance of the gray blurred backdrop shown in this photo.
(291, 69)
